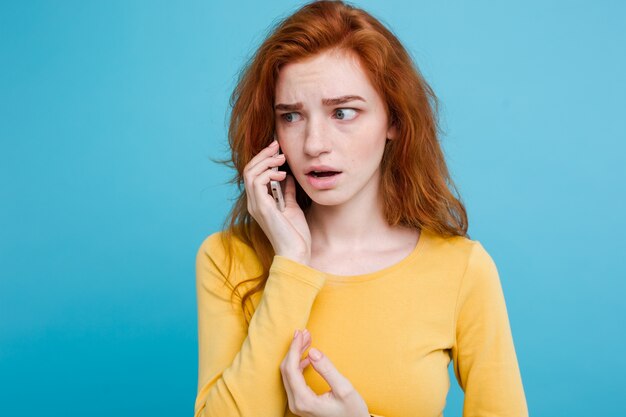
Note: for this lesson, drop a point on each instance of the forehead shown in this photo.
(325, 75)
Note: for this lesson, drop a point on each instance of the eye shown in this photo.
(289, 117)
(345, 114)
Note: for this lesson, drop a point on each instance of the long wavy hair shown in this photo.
(415, 181)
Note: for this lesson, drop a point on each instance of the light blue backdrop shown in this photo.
(110, 111)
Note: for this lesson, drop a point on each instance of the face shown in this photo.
(332, 127)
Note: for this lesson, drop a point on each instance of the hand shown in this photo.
(287, 231)
(341, 401)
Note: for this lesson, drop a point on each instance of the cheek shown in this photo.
(291, 156)
(286, 147)
(370, 143)
(288, 139)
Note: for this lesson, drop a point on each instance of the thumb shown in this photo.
(322, 364)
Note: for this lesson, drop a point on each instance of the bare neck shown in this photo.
(347, 227)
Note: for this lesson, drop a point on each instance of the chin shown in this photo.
(326, 198)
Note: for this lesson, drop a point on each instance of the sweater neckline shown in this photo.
(416, 252)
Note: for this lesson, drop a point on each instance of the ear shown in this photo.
(392, 132)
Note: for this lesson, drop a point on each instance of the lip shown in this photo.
(323, 183)
(320, 168)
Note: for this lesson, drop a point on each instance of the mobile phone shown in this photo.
(277, 191)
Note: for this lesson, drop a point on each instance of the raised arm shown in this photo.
(238, 372)
(485, 362)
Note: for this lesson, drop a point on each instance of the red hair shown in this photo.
(415, 181)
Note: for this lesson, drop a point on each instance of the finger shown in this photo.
(258, 192)
(266, 152)
(294, 376)
(264, 178)
(283, 373)
(288, 388)
(304, 363)
(306, 341)
(251, 176)
(256, 166)
(270, 162)
(323, 366)
(299, 345)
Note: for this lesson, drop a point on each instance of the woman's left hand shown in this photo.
(341, 401)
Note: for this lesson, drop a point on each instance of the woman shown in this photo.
(354, 299)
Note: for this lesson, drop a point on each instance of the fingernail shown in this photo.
(315, 354)
(295, 334)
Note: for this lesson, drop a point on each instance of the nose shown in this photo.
(317, 140)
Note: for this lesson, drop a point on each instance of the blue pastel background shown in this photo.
(110, 113)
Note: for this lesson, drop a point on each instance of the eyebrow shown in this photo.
(325, 101)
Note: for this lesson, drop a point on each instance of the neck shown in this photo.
(351, 226)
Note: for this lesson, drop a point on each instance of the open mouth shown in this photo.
(320, 174)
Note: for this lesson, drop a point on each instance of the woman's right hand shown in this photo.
(287, 231)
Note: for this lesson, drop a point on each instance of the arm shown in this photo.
(239, 371)
(485, 362)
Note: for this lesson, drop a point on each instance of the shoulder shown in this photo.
(220, 243)
(456, 249)
(213, 245)
(461, 257)
(228, 256)
(472, 265)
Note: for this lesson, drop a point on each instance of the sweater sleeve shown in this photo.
(239, 365)
(485, 362)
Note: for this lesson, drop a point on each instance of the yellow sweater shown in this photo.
(392, 333)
